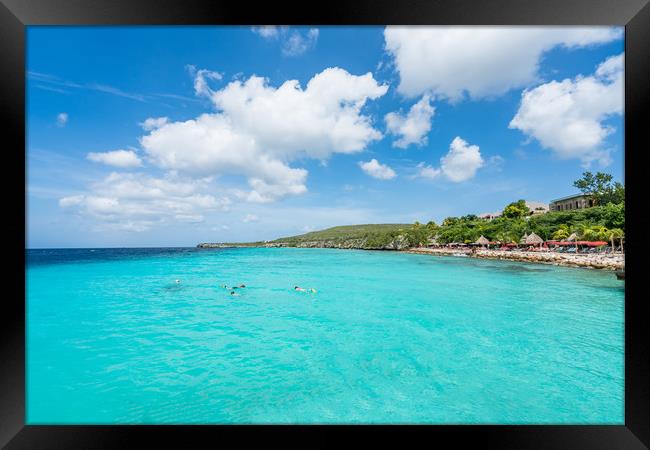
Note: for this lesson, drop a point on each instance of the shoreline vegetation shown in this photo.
(416, 238)
(580, 237)
(615, 262)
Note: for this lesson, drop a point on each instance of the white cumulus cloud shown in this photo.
(294, 41)
(413, 127)
(567, 117)
(136, 201)
(459, 164)
(125, 159)
(152, 123)
(377, 170)
(259, 130)
(427, 171)
(462, 161)
(453, 61)
(268, 31)
(298, 43)
(201, 78)
(61, 119)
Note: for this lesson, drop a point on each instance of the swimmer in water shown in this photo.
(298, 288)
(241, 286)
(234, 294)
(178, 281)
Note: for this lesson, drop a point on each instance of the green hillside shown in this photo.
(346, 232)
(599, 223)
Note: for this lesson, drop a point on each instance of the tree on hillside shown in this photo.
(506, 237)
(516, 210)
(600, 188)
(450, 221)
(614, 215)
(417, 235)
(595, 233)
(432, 228)
(563, 232)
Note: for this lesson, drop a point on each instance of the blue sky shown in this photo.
(380, 125)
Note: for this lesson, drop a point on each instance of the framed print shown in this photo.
(420, 214)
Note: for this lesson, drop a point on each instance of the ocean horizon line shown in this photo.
(108, 248)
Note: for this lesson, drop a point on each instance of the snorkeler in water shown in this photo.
(225, 286)
(298, 288)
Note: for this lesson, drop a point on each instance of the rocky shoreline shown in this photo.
(592, 261)
(229, 245)
(399, 243)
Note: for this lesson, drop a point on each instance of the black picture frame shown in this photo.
(15, 15)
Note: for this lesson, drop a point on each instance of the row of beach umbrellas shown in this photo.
(529, 239)
(534, 239)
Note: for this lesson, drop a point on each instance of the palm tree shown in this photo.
(561, 233)
(589, 233)
(602, 233)
(616, 233)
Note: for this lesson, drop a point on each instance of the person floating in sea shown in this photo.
(241, 286)
(298, 288)
(178, 281)
(234, 294)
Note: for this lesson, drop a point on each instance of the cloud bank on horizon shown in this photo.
(269, 132)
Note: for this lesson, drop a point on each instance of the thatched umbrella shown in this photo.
(523, 239)
(533, 239)
(482, 241)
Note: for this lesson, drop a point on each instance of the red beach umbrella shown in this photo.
(591, 243)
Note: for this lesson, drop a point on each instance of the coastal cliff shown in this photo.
(363, 237)
(229, 244)
(397, 243)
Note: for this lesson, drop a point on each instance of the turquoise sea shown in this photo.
(388, 338)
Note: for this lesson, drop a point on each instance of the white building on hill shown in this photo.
(535, 207)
